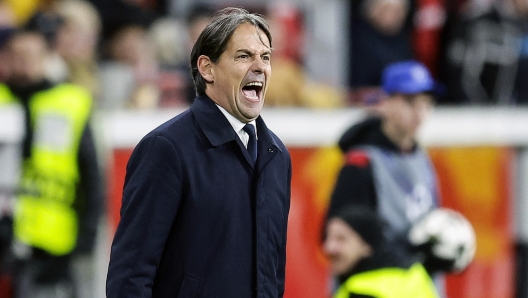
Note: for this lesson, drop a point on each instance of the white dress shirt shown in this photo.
(238, 126)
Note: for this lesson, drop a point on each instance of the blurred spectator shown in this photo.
(129, 75)
(59, 199)
(24, 10)
(289, 84)
(47, 22)
(385, 168)
(197, 18)
(380, 34)
(199, 15)
(168, 37)
(287, 81)
(77, 42)
(116, 14)
(485, 58)
(363, 263)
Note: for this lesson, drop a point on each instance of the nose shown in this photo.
(259, 64)
(329, 247)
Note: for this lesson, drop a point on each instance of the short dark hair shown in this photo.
(213, 40)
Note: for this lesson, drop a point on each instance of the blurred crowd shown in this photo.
(477, 48)
(133, 54)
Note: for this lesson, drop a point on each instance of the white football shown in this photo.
(449, 236)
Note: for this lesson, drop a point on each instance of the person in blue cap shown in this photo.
(385, 168)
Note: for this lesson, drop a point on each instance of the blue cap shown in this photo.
(409, 77)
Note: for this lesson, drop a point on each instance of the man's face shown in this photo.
(27, 56)
(343, 246)
(406, 113)
(241, 75)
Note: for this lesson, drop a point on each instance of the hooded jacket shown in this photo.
(399, 185)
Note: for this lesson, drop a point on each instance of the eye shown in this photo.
(243, 56)
(266, 57)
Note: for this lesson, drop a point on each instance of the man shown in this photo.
(363, 264)
(385, 168)
(59, 198)
(200, 217)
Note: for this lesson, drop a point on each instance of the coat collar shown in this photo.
(212, 122)
(218, 130)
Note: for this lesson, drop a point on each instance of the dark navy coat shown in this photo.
(197, 220)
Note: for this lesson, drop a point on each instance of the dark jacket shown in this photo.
(359, 184)
(355, 183)
(371, 50)
(196, 219)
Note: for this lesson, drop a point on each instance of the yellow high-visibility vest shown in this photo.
(390, 283)
(44, 216)
(5, 95)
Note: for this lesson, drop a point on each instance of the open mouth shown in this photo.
(252, 90)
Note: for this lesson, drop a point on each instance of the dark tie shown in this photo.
(252, 143)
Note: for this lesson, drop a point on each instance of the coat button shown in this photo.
(270, 150)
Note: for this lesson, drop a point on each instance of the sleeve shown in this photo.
(355, 183)
(90, 195)
(151, 198)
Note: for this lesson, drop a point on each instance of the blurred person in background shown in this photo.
(77, 41)
(380, 34)
(290, 85)
(46, 21)
(115, 14)
(385, 168)
(364, 265)
(129, 71)
(199, 15)
(485, 55)
(168, 37)
(60, 196)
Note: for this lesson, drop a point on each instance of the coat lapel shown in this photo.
(267, 146)
(215, 126)
(212, 122)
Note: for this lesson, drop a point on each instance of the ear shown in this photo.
(205, 67)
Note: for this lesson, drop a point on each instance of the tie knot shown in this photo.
(250, 130)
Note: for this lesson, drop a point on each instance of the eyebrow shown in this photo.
(268, 52)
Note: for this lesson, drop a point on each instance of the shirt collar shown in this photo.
(235, 123)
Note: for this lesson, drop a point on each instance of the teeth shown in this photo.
(259, 84)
